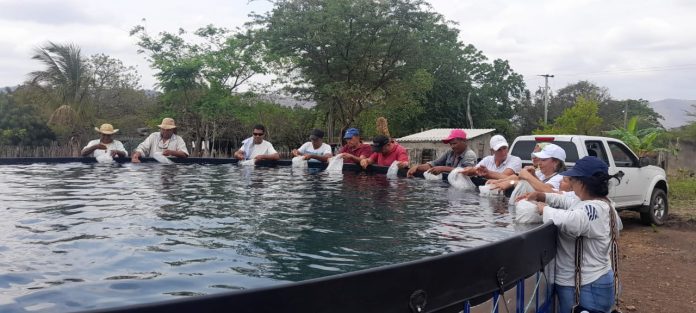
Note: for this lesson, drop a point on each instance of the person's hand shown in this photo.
(307, 157)
(364, 163)
(411, 171)
(167, 152)
(530, 169)
(259, 157)
(296, 152)
(532, 196)
(482, 171)
(135, 158)
(436, 170)
(101, 146)
(239, 156)
(402, 164)
(114, 154)
(527, 175)
(540, 208)
(499, 184)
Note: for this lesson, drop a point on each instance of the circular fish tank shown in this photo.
(80, 236)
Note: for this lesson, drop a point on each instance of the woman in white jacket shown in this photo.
(588, 216)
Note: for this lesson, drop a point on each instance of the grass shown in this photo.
(682, 195)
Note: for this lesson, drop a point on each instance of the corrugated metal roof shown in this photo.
(438, 134)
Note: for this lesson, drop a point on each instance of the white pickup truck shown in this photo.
(643, 187)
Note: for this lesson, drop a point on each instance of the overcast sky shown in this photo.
(637, 49)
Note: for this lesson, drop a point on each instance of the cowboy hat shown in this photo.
(167, 123)
(106, 129)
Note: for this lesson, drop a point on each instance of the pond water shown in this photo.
(78, 236)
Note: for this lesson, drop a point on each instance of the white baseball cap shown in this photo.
(551, 151)
(498, 142)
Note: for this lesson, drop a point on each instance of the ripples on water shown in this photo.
(79, 236)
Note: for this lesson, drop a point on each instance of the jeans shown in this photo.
(597, 295)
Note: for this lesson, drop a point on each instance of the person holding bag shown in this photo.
(587, 257)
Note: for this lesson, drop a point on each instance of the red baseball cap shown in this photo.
(454, 134)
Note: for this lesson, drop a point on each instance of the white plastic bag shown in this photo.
(486, 191)
(299, 162)
(161, 158)
(251, 162)
(526, 213)
(521, 188)
(335, 164)
(430, 176)
(105, 158)
(460, 181)
(393, 171)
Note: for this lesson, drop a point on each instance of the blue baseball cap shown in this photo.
(586, 167)
(350, 132)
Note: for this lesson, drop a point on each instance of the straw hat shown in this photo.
(167, 123)
(106, 129)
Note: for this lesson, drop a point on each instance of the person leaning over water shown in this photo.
(105, 144)
(384, 152)
(164, 141)
(551, 161)
(256, 148)
(315, 150)
(499, 165)
(459, 156)
(587, 215)
(354, 150)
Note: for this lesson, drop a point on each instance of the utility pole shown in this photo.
(546, 96)
(626, 115)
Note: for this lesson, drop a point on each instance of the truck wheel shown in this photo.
(656, 212)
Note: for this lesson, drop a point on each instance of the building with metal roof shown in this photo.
(427, 145)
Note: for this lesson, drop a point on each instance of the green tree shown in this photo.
(20, 125)
(350, 56)
(581, 119)
(567, 97)
(66, 80)
(199, 76)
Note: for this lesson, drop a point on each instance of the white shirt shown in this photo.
(554, 181)
(308, 148)
(115, 145)
(264, 148)
(575, 218)
(154, 143)
(512, 162)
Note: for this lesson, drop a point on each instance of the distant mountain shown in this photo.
(6, 88)
(674, 111)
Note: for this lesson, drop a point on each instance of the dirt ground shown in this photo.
(658, 265)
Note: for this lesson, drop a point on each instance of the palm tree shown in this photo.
(67, 78)
(66, 72)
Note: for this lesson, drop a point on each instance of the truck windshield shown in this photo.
(523, 149)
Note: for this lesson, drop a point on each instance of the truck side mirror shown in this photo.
(645, 161)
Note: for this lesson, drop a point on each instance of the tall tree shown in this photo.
(581, 118)
(199, 76)
(66, 72)
(351, 55)
(567, 96)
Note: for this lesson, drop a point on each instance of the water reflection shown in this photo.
(81, 236)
